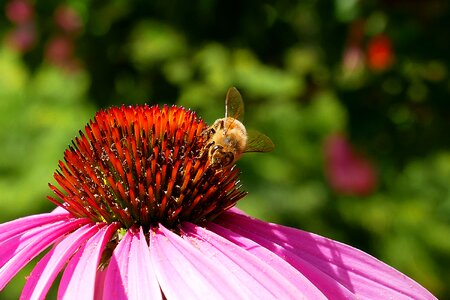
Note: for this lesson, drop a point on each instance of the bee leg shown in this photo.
(205, 150)
(208, 133)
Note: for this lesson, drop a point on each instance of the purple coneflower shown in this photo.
(143, 215)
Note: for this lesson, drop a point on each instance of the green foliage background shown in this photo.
(286, 58)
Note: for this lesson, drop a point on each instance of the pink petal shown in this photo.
(359, 272)
(263, 276)
(325, 283)
(48, 267)
(21, 225)
(183, 272)
(116, 280)
(26, 249)
(60, 210)
(99, 283)
(140, 271)
(11, 246)
(78, 280)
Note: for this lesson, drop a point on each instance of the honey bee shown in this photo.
(228, 139)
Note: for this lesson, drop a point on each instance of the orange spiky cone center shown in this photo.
(143, 165)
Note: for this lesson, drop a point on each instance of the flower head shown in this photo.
(143, 215)
(143, 166)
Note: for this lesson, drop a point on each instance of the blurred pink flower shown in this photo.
(59, 51)
(22, 38)
(144, 216)
(348, 172)
(19, 11)
(68, 19)
(353, 59)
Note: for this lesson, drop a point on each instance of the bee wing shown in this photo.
(234, 105)
(258, 142)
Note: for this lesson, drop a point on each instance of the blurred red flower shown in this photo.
(380, 55)
(348, 172)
